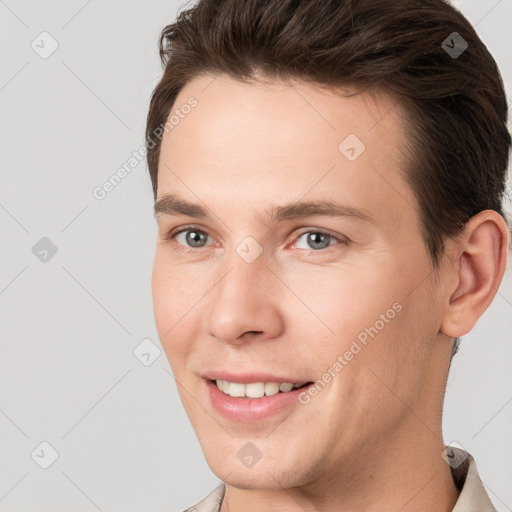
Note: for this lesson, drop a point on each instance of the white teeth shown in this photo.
(235, 389)
(271, 388)
(254, 389)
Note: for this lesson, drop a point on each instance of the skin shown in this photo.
(371, 439)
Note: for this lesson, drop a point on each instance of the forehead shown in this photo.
(269, 143)
(230, 111)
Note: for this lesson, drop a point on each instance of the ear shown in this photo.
(477, 268)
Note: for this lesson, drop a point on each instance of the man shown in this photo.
(328, 179)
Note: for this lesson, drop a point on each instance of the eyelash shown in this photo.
(173, 234)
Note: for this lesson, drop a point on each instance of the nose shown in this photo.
(245, 303)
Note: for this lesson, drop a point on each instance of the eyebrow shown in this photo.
(170, 204)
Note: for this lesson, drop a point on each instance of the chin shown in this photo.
(269, 476)
(257, 482)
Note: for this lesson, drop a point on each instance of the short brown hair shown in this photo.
(455, 105)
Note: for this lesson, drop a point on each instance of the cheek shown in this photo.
(173, 297)
(174, 288)
(373, 380)
(394, 363)
(161, 289)
(367, 316)
(344, 300)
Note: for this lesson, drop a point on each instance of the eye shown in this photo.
(318, 240)
(193, 238)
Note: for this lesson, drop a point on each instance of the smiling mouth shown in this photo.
(256, 389)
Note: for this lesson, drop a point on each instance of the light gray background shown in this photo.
(70, 325)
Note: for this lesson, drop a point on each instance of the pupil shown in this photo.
(194, 238)
(313, 238)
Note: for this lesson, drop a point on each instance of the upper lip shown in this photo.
(248, 377)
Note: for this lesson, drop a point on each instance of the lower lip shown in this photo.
(247, 410)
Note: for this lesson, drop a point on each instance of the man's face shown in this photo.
(241, 292)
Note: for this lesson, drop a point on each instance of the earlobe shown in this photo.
(479, 271)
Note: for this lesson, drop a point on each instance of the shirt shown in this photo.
(473, 496)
